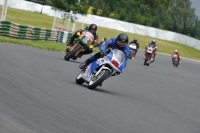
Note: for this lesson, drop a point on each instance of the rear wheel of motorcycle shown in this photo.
(74, 57)
(100, 78)
(79, 79)
(71, 54)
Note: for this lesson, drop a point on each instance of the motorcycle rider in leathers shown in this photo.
(136, 42)
(153, 42)
(176, 52)
(121, 43)
(92, 28)
(137, 45)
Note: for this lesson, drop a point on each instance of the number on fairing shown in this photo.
(86, 39)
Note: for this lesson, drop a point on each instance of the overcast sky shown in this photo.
(23, 5)
(196, 5)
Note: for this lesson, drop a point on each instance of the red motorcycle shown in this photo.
(148, 55)
(175, 60)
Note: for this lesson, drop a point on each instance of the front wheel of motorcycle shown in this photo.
(66, 56)
(72, 53)
(79, 79)
(98, 80)
(176, 63)
(145, 61)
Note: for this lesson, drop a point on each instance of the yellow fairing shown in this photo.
(91, 46)
(78, 33)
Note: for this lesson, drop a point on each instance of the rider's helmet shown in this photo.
(93, 28)
(135, 40)
(105, 39)
(122, 40)
(176, 51)
(153, 42)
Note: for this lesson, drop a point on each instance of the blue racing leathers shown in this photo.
(112, 43)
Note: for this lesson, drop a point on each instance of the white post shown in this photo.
(4, 10)
(73, 26)
(70, 15)
(68, 22)
(54, 20)
(83, 22)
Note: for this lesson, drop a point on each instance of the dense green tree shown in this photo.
(77, 6)
(42, 2)
(173, 15)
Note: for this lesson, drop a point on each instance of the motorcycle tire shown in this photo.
(145, 62)
(72, 53)
(79, 79)
(99, 80)
(65, 56)
(176, 63)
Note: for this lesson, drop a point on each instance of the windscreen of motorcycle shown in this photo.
(149, 49)
(175, 56)
(89, 35)
(133, 46)
(118, 57)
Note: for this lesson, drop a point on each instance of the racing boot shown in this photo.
(84, 64)
(87, 62)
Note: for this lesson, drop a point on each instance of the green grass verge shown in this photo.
(46, 45)
(40, 20)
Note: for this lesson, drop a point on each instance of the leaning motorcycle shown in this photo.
(101, 69)
(81, 43)
(133, 50)
(175, 60)
(148, 55)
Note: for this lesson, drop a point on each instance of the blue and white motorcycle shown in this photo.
(101, 69)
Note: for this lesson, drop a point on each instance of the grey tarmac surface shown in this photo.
(38, 94)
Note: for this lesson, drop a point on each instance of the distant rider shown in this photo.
(137, 45)
(92, 28)
(176, 52)
(153, 43)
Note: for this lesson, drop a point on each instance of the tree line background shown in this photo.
(172, 15)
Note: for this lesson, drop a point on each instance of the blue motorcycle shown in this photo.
(101, 69)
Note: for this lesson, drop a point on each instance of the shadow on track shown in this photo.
(74, 61)
(105, 91)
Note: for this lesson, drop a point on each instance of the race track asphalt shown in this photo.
(38, 94)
